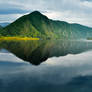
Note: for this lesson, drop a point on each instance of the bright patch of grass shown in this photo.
(18, 38)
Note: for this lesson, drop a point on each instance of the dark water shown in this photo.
(46, 66)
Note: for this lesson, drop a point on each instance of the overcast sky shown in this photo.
(72, 11)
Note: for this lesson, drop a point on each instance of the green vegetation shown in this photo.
(18, 38)
(36, 25)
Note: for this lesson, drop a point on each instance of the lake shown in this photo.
(46, 66)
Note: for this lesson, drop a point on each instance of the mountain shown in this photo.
(38, 25)
(4, 24)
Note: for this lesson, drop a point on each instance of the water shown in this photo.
(46, 66)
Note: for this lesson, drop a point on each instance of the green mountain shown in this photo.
(37, 25)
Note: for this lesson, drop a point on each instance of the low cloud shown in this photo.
(79, 11)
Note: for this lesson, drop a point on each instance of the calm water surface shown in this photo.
(46, 66)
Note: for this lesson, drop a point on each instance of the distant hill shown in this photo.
(38, 25)
(4, 24)
(0, 27)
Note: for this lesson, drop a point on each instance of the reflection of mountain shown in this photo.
(37, 25)
(36, 52)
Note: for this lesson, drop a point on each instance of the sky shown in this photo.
(72, 11)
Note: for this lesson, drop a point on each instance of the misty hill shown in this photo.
(0, 27)
(4, 24)
(37, 25)
(1, 30)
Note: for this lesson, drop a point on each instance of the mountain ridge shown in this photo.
(38, 25)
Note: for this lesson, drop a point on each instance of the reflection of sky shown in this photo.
(71, 60)
(7, 56)
(55, 71)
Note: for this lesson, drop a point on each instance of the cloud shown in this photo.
(9, 17)
(79, 11)
(12, 11)
(8, 8)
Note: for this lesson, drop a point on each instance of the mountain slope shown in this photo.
(37, 25)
